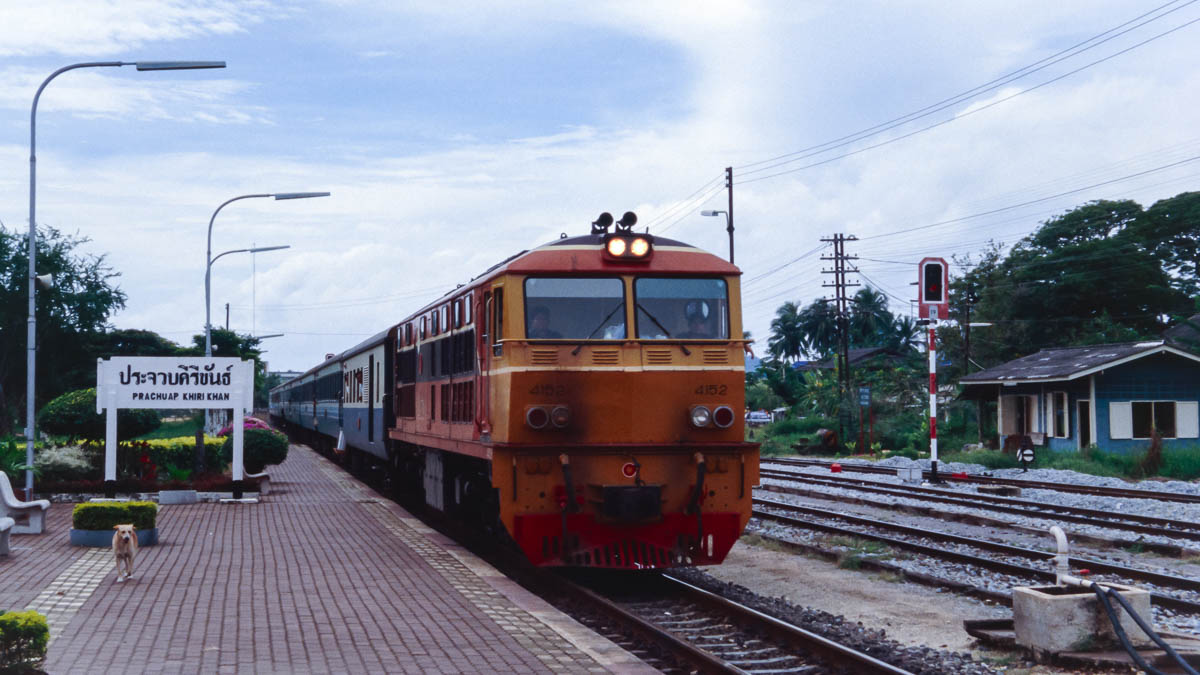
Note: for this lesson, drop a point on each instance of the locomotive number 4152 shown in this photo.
(711, 390)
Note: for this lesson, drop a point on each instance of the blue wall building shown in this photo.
(1110, 396)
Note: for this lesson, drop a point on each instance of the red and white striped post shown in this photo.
(933, 455)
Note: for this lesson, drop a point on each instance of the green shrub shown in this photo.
(179, 453)
(105, 515)
(260, 447)
(74, 415)
(806, 425)
(12, 462)
(23, 639)
(53, 465)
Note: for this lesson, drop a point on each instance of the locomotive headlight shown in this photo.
(616, 247)
(537, 417)
(723, 416)
(560, 416)
(701, 416)
(639, 247)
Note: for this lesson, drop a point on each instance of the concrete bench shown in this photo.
(264, 481)
(30, 517)
(6, 526)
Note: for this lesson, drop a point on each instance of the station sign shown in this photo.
(177, 382)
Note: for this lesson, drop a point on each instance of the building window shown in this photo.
(1157, 415)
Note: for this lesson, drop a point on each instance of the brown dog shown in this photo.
(125, 547)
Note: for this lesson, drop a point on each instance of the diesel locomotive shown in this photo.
(585, 395)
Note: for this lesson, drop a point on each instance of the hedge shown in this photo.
(260, 447)
(104, 516)
(180, 452)
(74, 415)
(23, 639)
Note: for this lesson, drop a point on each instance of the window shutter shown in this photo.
(1120, 420)
(1187, 420)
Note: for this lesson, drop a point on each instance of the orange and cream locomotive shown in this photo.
(586, 394)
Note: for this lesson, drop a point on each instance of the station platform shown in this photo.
(322, 576)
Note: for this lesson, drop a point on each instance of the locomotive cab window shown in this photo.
(681, 309)
(559, 308)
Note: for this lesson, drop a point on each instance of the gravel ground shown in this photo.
(1042, 523)
(916, 659)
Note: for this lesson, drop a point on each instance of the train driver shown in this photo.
(539, 325)
(698, 326)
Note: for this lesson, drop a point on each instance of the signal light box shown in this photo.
(933, 288)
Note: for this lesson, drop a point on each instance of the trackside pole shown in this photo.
(933, 455)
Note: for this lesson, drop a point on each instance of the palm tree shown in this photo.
(787, 337)
(819, 325)
(905, 334)
(870, 320)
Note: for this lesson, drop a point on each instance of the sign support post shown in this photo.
(933, 449)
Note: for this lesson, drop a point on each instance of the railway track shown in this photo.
(1126, 493)
(871, 529)
(1162, 527)
(713, 634)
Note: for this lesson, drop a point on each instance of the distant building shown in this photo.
(1107, 395)
(285, 375)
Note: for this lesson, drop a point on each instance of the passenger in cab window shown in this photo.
(539, 325)
(698, 325)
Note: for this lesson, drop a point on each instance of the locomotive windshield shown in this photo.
(686, 309)
(559, 308)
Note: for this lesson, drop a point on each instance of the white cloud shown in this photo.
(103, 27)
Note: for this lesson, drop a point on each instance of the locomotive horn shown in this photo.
(600, 225)
(627, 221)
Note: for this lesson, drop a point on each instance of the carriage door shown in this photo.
(371, 398)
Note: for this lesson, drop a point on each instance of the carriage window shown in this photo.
(498, 322)
(684, 309)
(574, 309)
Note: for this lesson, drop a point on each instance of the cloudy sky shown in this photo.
(453, 134)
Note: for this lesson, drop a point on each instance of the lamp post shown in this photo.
(208, 276)
(31, 335)
(728, 228)
(209, 259)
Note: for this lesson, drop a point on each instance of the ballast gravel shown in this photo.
(921, 660)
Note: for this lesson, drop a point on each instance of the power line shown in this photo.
(962, 115)
(970, 93)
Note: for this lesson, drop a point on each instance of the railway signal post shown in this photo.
(933, 297)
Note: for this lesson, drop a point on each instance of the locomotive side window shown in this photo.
(558, 308)
(683, 309)
(467, 309)
(423, 324)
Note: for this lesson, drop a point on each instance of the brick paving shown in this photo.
(324, 576)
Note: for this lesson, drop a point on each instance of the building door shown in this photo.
(1084, 419)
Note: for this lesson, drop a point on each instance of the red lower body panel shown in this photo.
(675, 540)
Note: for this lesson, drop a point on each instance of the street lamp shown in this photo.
(209, 259)
(728, 228)
(208, 276)
(31, 335)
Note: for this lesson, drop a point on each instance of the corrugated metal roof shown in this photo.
(1061, 363)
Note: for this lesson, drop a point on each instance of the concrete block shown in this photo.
(909, 474)
(1055, 619)
(178, 497)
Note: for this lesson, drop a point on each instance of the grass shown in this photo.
(1177, 463)
(173, 429)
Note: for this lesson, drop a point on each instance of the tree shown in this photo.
(1084, 277)
(787, 336)
(818, 321)
(70, 315)
(1170, 229)
(230, 343)
(870, 320)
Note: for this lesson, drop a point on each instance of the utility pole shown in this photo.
(227, 316)
(840, 285)
(729, 220)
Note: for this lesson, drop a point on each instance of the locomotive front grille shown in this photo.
(715, 357)
(659, 357)
(605, 357)
(543, 357)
